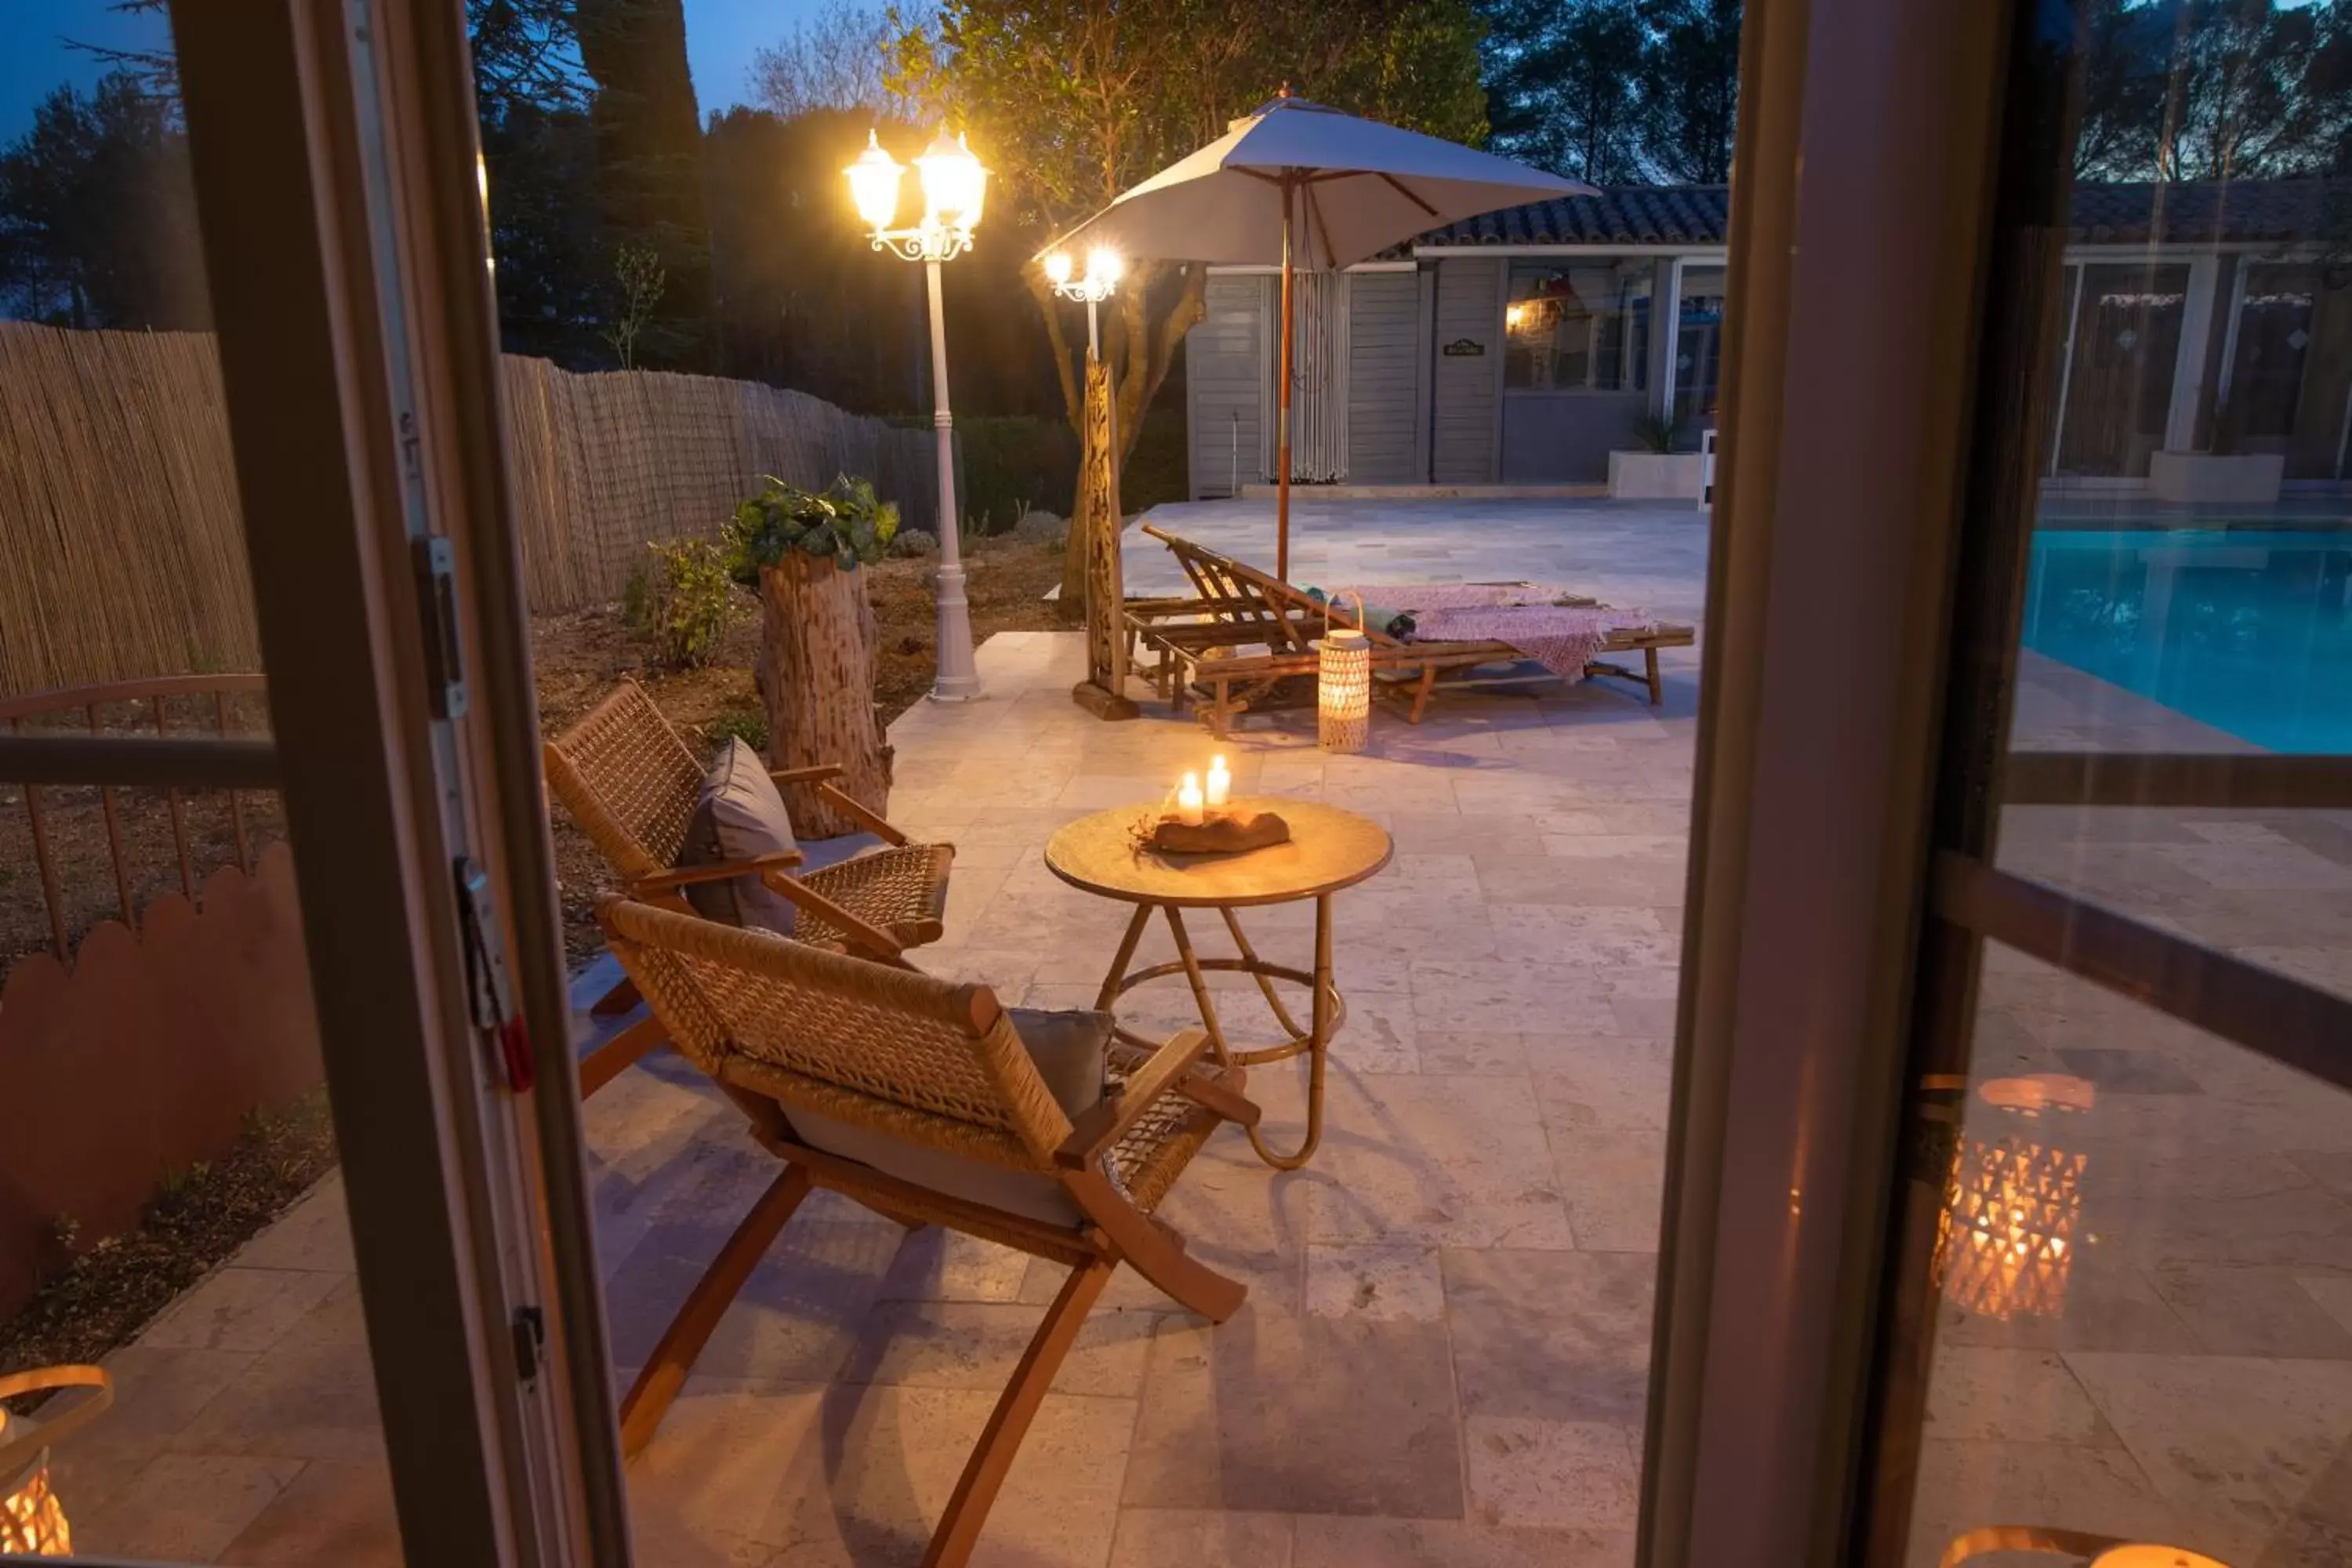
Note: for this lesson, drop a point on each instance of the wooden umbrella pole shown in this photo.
(1282, 478)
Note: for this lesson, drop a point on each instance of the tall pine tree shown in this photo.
(648, 140)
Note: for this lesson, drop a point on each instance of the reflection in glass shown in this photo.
(2007, 1232)
(1581, 326)
(2117, 375)
(1698, 344)
(2181, 1370)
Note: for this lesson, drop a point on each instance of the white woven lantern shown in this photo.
(1343, 685)
(2005, 1240)
(32, 1520)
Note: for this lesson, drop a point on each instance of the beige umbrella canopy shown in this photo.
(1306, 185)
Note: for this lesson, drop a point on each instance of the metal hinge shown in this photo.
(530, 1328)
(436, 560)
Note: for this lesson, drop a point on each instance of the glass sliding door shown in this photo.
(1698, 346)
(2117, 376)
(276, 985)
(2290, 371)
(2115, 1314)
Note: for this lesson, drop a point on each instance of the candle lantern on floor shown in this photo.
(2006, 1239)
(1343, 685)
(2009, 1540)
(32, 1519)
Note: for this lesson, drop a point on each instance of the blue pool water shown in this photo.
(2247, 630)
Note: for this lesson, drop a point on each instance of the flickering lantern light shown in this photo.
(2005, 1241)
(874, 183)
(1343, 685)
(1189, 804)
(1221, 785)
(32, 1519)
(2007, 1541)
(955, 186)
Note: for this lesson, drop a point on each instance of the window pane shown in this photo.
(2141, 1328)
(175, 1214)
(2117, 381)
(1698, 344)
(1578, 327)
(2143, 1287)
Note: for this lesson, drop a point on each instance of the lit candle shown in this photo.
(1221, 784)
(1188, 801)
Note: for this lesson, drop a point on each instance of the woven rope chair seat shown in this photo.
(1155, 1151)
(902, 889)
(823, 1050)
(636, 783)
(633, 784)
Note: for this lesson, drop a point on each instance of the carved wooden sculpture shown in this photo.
(1104, 690)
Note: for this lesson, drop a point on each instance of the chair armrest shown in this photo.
(718, 871)
(857, 811)
(1107, 1121)
(806, 775)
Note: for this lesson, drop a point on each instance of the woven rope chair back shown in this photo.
(628, 780)
(863, 1042)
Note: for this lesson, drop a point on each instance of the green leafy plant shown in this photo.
(845, 520)
(748, 725)
(1657, 432)
(682, 600)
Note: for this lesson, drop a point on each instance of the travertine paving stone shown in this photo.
(1444, 1360)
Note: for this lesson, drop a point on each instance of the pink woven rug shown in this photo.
(1563, 638)
(1419, 596)
(1560, 639)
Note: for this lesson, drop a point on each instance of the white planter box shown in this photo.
(2249, 479)
(1655, 475)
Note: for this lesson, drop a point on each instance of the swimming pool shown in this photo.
(2247, 630)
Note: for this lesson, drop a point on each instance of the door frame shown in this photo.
(333, 149)
(1865, 160)
(1855, 709)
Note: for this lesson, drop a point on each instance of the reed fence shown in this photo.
(121, 556)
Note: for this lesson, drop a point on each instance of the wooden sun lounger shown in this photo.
(1237, 606)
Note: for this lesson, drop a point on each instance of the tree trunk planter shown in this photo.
(817, 682)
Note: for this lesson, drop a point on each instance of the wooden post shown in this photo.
(817, 682)
(1104, 690)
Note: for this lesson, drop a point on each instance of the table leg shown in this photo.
(1319, 1049)
(1110, 992)
(1265, 983)
(1200, 983)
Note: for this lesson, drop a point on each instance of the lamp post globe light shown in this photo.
(1103, 269)
(955, 189)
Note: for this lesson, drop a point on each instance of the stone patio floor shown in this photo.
(1649, 555)
(1443, 1359)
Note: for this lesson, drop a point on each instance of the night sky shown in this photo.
(721, 36)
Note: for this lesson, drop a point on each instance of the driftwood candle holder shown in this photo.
(1219, 833)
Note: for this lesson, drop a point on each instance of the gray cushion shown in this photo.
(739, 815)
(1071, 1050)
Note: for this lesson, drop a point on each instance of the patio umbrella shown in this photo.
(1306, 185)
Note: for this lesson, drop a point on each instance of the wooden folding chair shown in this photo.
(632, 783)
(1239, 605)
(916, 1097)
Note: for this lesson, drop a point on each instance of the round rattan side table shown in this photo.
(1329, 849)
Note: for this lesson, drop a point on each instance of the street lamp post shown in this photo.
(955, 187)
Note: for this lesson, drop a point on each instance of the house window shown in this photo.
(1580, 326)
(1698, 342)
